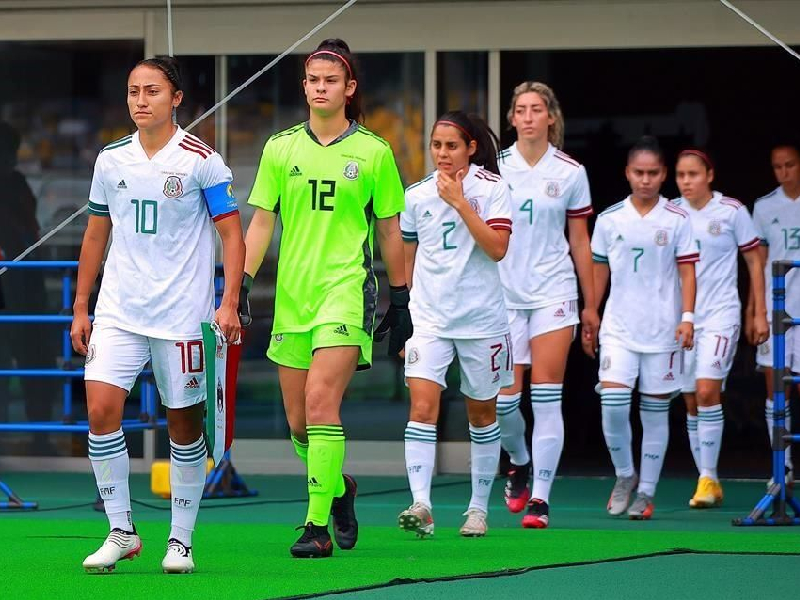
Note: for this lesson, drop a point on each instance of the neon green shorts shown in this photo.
(296, 349)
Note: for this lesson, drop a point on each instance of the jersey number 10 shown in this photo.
(146, 215)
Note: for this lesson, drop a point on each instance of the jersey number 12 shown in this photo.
(320, 195)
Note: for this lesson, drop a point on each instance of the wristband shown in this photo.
(687, 317)
(247, 282)
(399, 295)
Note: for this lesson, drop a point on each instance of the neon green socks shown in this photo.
(325, 460)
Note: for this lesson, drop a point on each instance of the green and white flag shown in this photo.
(222, 367)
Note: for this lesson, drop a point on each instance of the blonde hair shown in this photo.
(555, 132)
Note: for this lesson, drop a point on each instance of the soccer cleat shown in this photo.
(707, 495)
(119, 545)
(538, 515)
(314, 543)
(178, 558)
(621, 494)
(343, 510)
(517, 491)
(417, 518)
(642, 507)
(475, 525)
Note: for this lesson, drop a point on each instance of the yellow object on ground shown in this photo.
(159, 477)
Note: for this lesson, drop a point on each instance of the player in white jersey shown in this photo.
(161, 192)
(645, 243)
(456, 227)
(777, 220)
(550, 192)
(722, 228)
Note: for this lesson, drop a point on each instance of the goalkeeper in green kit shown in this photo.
(335, 185)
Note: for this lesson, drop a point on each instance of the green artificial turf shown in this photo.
(241, 551)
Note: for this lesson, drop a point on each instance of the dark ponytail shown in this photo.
(472, 127)
(648, 143)
(337, 51)
(169, 66)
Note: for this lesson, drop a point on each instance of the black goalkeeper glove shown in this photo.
(244, 301)
(397, 320)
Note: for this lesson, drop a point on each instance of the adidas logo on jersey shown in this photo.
(775, 221)
(716, 365)
(121, 185)
(342, 330)
(669, 377)
(620, 238)
(427, 214)
(295, 172)
(559, 313)
(192, 384)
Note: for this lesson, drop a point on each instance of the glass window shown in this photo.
(462, 82)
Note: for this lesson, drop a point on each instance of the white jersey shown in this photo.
(642, 252)
(538, 270)
(456, 291)
(159, 274)
(721, 229)
(777, 220)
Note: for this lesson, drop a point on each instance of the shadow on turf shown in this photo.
(513, 572)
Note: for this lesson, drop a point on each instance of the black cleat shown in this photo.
(343, 511)
(517, 491)
(314, 543)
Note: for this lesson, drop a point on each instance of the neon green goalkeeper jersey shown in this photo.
(328, 198)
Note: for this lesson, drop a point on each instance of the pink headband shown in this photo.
(456, 125)
(699, 154)
(331, 53)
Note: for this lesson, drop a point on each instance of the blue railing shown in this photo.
(776, 496)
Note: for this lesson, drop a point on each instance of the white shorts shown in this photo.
(764, 351)
(485, 364)
(117, 357)
(527, 323)
(658, 373)
(711, 357)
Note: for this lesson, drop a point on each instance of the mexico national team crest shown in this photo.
(715, 228)
(552, 189)
(413, 356)
(173, 187)
(91, 354)
(662, 239)
(351, 170)
(473, 202)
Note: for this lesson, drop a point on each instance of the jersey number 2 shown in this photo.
(320, 195)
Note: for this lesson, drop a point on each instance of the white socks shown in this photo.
(420, 446)
(694, 444)
(616, 408)
(111, 465)
(512, 428)
(710, 422)
(484, 455)
(770, 422)
(548, 436)
(187, 478)
(654, 413)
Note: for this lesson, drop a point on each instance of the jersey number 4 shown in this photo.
(319, 195)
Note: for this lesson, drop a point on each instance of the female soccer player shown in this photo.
(645, 243)
(160, 192)
(549, 191)
(456, 227)
(333, 182)
(721, 227)
(777, 220)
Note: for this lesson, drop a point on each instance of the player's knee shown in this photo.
(707, 395)
(423, 410)
(321, 404)
(103, 418)
(481, 414)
